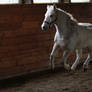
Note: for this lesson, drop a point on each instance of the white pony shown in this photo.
(70, 35)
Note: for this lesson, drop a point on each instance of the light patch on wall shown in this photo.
(8, 1)
(79, 1)
(45, 1)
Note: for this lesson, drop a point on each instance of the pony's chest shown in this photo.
(63, 43)
(58, 38)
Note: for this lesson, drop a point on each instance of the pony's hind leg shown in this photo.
(78, 56)
(87, 61)
(52, 55)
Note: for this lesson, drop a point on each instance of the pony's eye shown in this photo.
(51, 15)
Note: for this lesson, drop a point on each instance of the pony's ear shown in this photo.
(54, 6)
(48, 6)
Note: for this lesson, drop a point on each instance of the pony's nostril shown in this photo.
(44, 28)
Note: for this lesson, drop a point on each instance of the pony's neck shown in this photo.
(65, 23)
(61, 24)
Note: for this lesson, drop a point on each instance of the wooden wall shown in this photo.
(24, 46)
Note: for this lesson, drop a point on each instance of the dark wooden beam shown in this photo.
(26, 2)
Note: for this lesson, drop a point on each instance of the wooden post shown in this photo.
(31, 1)
(23, 1)
(67, 1)
(26, 1)
(61, 1)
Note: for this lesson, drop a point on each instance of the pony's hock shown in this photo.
(70, 35)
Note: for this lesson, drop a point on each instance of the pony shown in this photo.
(70, 35)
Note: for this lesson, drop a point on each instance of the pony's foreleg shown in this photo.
(64, 59)
(89, 58)
(52, 55)
(78, 56)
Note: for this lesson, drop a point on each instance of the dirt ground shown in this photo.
(60, 81)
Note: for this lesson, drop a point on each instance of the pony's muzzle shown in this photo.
(44, 27)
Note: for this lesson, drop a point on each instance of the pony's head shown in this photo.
(50, 17)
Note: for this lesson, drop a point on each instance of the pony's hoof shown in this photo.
(52, 70)
(67, 67)
(72, 71)
(51, 67)
(85, 68)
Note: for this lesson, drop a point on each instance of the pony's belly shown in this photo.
(83, 44)
(73, 44)
(84, 40)
(78, 43)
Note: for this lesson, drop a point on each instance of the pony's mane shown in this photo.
(70, 20)
(69, 15)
